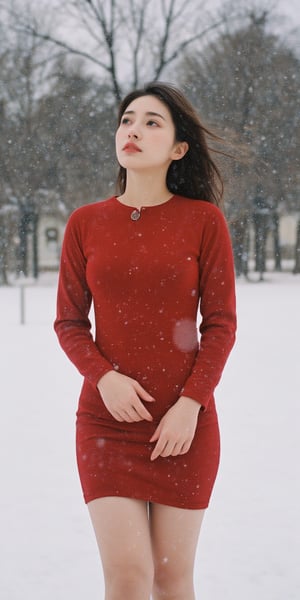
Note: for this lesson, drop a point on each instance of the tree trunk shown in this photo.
(240, 246)
(297, 250)
(22, 249)
(277, 248)
(35, 261)
(260, 220)
(28, 246)
(3, 257)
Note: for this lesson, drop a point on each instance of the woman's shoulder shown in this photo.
(88, 211)
(199, 207)
(204, 218)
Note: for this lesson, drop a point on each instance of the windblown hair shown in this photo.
(195, 175)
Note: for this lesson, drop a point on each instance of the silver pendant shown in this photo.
(135, 215)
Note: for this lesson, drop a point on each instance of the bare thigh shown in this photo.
(121, 527)
(175, 534)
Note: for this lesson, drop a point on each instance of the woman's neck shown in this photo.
(147, 190)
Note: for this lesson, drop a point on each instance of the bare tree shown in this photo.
(76, 131)
(127, 41)
(56, 151)
(21, 164)
(247, 81)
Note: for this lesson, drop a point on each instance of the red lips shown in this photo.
(131, 147)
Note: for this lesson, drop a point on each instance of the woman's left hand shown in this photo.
(176, 430)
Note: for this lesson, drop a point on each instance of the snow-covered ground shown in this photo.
(250, 543)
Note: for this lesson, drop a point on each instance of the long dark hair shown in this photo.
(196, 174)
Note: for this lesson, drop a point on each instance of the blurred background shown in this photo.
(64, 67)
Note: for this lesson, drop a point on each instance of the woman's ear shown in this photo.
(180, 150)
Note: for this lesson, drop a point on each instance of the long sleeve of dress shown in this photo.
(72, 324)
(217, 308)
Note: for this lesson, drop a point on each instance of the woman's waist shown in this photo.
(94, 422)
(147, 361)
(165, 395)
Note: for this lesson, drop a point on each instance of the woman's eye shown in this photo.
(152, 123)
(125, 121)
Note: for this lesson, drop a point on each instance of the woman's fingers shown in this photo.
(168, 444)
(142, 412)
(133, 412)
(176, 430)
(168, 448)
(158, 450)
(185, 448)
(123, 397)
(142, 393)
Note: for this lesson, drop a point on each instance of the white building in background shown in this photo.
(288, 234)
(50, 235)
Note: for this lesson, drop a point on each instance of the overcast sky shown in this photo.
(291, 8)
(288, 8)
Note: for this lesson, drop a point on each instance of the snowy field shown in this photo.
(250, 543)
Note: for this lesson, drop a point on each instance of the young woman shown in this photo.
(147, 427)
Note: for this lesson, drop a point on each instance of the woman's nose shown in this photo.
(133, 134)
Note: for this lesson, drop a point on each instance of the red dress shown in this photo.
(145, 278)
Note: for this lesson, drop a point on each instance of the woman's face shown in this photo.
(145, 138)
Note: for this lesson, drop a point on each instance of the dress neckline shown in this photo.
(147, 207)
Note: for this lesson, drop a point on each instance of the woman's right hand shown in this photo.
(122, 397)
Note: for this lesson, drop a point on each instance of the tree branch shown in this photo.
(108, 28)
(139, 27)
(49, 38)
(182, 46)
